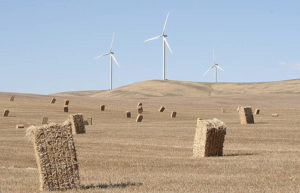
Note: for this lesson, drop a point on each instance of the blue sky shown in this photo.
(50, 46)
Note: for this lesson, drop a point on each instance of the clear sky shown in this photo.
(49, 46)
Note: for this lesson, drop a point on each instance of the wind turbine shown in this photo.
(165, 42)
(215, 66)
(112, 57)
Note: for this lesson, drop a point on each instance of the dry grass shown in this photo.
(119, 155)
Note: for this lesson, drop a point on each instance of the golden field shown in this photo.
(119, 155)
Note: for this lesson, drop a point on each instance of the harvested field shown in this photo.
(119, 155)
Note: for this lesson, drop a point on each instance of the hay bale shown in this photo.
(66, 108)
(12, 99)
(102, 107)
(128, 114)
(6, 112)
(90, 120)
(161, 109)
(140, 109)
(139, 104)
(246, 115)
(209, 138)
(173, 114)
(139, 118)
(45, 120)
(257, 111)
(53, 100)
(56, 156)
(77, 123)
(67, 102)
(20, 126)
(275, 115)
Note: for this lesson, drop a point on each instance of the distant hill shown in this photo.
(157, 88)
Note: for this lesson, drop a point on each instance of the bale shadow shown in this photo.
(238, 154)
(104, 186)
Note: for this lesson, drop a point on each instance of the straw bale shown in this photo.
(139, 118)
(161, 109)
(45, 120)
(275, 115)
(66, 108)
(67, 102)
(173, 114)
(53, 100)
(12, 99)
(102, 107)
(246, 115)
(56, 156)
(77, 123)
(128, 114)
(90, 120)
(140, 109)
(209, 138)
(6, 112)
(20, 126)
(257, 111)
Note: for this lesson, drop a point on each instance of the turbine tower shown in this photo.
(215, 66)
(112, 58)
(165, 42)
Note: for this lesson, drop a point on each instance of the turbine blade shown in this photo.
(165, 39)
(100, 56)
(219, 67)
(208, 70)
(114, 58)
(112, 41)
(154, 38)
(164, 29)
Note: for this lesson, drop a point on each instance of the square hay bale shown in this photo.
(257, 111)
(173, 114)
(246, 115)
(275, 115)
(139, 118)
(162, 109)
(20, 126)
(67, 102)
(140, 109)
(53, 100)
(209, 138)
(12, 99)
(77, 123)
(128, 114)
(139, 104)
(66, 108)
(90, 120)
(102, 107)
(222, 110)
(45, 120)
(56, 156)
(6, 112)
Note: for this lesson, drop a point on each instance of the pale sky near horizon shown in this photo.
(50, 46)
